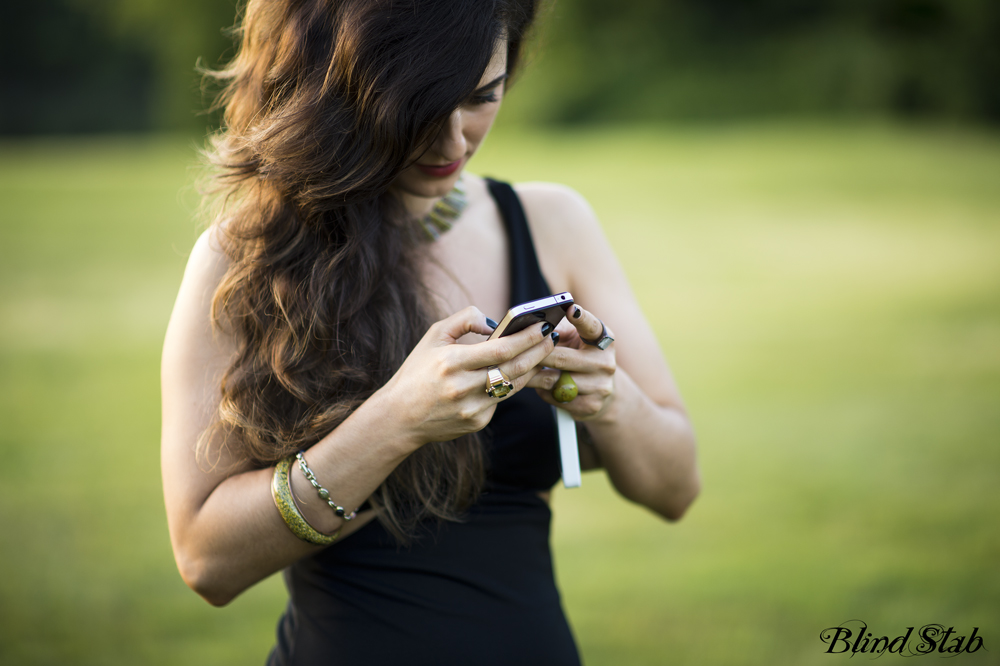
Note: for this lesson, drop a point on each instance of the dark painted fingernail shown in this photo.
(492, 324)
(547, 328)
(577, 312)
(555, 337)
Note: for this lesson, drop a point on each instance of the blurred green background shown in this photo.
(822, 269)
(99, 65)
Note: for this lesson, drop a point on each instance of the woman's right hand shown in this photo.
(440, 389)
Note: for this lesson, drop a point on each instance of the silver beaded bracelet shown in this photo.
(323, 492)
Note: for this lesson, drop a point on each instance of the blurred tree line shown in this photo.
(110, 65)
(99, 65)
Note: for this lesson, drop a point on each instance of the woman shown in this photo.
(332, 309)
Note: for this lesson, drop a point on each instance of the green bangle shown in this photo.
(281, 491)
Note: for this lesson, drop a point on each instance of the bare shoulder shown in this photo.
(207, 262)
(569, 237)
(554, 208)
(563, 226)
(206, 266)
(551, 196)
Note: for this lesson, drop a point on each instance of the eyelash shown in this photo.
(476, 100)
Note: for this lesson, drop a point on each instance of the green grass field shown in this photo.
(829, 300)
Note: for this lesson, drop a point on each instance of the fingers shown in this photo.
(582, 408)
(520, 369)
(585, 360)
(521, 381)
(530, 360)
(587, 325)
(503, 350)
(591, 368)
(545, 379)
(463, 369)
(595, 394)
(587, 384)
(467, 320)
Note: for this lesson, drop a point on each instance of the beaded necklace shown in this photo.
(444, 213)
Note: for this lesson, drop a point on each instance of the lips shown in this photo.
(440, 171)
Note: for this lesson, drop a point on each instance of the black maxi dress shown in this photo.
(478, 592)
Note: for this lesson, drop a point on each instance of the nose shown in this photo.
(451, 144)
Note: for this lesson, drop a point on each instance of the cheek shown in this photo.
(478, 124)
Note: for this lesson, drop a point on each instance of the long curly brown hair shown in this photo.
(324, 103)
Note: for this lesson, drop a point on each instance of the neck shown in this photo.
(417, 207)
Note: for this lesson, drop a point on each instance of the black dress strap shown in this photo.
(522, 450)
(526, 280)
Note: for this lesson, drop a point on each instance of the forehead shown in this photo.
(498, 64)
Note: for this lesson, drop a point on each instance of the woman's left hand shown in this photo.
(592, 369)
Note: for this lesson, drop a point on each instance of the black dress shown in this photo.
(477, 592)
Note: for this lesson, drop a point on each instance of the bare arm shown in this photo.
(629, 403)
(225, 530)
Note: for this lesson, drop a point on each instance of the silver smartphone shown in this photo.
(551, 309)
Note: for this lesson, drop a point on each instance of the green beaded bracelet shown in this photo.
(281, 491)
(324, 494)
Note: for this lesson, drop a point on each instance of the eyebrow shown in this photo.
(492, 84)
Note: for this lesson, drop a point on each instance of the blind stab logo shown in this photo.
(854, 637)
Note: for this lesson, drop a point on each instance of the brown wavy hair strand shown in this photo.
(324, 103)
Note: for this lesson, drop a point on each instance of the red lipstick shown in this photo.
(440, 171)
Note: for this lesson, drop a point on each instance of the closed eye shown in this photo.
(476, 100)
(487, 93)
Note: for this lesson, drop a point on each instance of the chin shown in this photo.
(419, 185)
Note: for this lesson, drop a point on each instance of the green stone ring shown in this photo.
(565, 389)
(497, 384)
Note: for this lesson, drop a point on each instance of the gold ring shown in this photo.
(497, 384)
